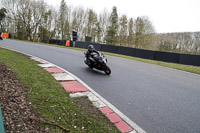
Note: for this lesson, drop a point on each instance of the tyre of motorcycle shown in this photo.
(107, 70)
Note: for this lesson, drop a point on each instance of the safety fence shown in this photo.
(186, 59)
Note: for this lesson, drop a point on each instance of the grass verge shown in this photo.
(187, 68)
(58, 112)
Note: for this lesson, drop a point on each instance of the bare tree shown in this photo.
(130, 38)
(104, 23)
(62, 18)
(79, 17)
(123, 30)
(144, 33)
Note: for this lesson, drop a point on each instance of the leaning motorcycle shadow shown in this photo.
(95, 71)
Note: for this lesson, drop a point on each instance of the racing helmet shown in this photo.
(91, 48)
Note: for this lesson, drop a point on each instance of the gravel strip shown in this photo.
(18, 116)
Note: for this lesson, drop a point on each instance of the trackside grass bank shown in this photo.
(55, 109)
(187, 68)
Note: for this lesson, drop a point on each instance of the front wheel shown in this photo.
(107, 70)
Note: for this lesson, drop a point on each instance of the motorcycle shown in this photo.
(98, 61)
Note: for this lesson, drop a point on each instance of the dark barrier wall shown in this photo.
(9, 36)
(45, 41)
(141, 53)
(80, 44)
(58, 42)
(125, 51)
(167, 57)
(52, 41)
(71, 44)
(62, 42)
(146, 54)
(109, 48)
(190, 59)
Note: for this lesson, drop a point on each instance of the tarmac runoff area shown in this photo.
(78, 88)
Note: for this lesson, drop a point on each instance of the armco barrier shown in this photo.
(125, 51)
(1, 122)
(190, 59)
(146, 54)
(167, 57)
(109, 48)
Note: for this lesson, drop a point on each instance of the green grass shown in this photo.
(187, 68)
(51, 102)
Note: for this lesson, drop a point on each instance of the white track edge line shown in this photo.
(118, 112)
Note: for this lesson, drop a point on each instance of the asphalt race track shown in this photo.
(158, 99)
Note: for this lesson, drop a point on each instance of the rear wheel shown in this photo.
(107, 70)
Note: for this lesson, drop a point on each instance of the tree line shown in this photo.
(35, 20)
(187, 42)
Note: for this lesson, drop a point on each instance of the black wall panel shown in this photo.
(167, 57)
(190, 59)
(146, 54)
(109, 48)
(51, 41)
(63, 42)
(58, 42)
(71, 44)
(80, 44)
(125, 51)
(10, 35)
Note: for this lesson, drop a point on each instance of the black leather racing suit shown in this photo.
(88, 55)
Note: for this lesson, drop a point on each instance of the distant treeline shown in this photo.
(35, 20)
(187, 42)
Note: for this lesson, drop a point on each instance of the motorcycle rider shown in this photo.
(91, 50)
